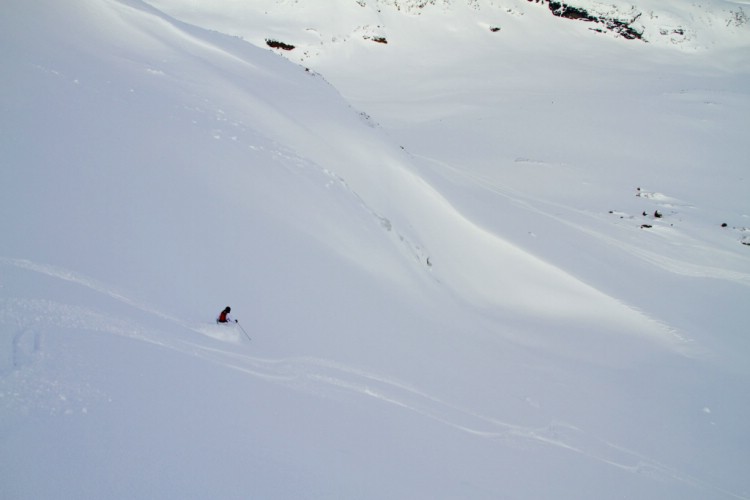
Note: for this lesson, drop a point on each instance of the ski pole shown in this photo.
(243, 330)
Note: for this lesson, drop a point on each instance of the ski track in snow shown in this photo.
(79, 279)
(326, 378)
(316, 376)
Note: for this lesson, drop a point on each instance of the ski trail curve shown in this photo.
(327, 378)
(79, 279)
(319, 377)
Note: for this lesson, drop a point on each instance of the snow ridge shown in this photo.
(432, 233)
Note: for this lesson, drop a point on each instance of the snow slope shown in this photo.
(449, 294)
(313, 28)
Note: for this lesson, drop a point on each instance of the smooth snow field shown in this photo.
(475, 250)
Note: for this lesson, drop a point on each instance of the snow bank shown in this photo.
(406, 283)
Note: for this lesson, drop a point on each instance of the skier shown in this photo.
(224, 316)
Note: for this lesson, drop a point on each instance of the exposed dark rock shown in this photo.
(275, 44)
(569, 12)
(667, 32)
(622, 27)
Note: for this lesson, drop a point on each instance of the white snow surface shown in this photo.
(500, 256)
(312, 26)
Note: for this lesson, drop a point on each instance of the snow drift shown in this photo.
(405, 344)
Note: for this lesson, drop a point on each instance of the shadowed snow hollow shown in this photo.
(154, 172)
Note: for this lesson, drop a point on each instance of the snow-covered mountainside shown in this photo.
(307, 28)
(476, 250)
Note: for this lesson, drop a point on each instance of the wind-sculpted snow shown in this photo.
(476, 261)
